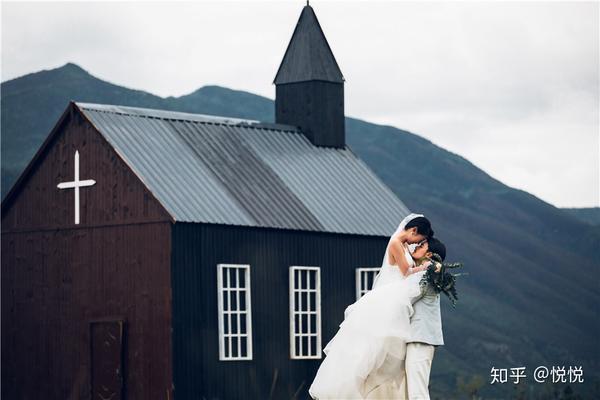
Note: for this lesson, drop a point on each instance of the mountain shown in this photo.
(531, 296)
(590, 215)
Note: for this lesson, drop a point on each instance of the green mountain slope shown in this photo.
(590, 215)
(531, 297)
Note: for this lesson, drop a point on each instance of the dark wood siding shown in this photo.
(197, 249)
(54, 283)
(317, 107)
(57, 277)
(117, 197)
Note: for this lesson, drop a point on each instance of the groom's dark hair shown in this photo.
(436, 246)
(423, 226)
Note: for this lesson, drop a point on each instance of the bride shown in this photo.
(376, 327)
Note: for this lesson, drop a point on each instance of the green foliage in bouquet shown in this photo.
(442, 281)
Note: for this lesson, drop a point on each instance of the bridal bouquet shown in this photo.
(440, 279)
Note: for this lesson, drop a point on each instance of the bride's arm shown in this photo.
(396, 252)
(422, 267)
(412, 270)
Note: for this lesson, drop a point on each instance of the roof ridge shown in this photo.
(156, 113)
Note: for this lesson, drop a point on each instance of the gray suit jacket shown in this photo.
(426, 321)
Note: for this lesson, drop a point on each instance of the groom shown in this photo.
(426, 335)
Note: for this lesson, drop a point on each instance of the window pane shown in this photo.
(242, 300)
(227, 277)
(242, 278)
(234, 273)
(371, 276)
(234, 323)
(234, 347)
(244, 341)
(305, 346)
(226, 323)
(296, 323)
(296, 300)
(304, 323)
(313, 300)
(313, 323)
(234, 304)
(304, 299)
(243, 327)
(225, 297)
(224, 274)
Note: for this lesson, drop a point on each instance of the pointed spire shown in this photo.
(308, 55)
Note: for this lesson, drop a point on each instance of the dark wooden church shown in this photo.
(151, 254)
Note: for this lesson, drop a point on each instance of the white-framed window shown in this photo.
(305, 312)
(235, 312)
(364, 280)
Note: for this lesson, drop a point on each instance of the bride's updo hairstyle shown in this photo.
(435, 245)
(423, 226)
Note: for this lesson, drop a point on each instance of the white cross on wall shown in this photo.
(76, 184)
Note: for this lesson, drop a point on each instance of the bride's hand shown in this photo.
(438, 266)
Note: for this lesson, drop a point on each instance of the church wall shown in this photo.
(55, 283)
(58, 278)
(197, 249)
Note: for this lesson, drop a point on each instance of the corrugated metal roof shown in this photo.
(242, 172)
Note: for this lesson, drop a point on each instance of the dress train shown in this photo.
(375, 327)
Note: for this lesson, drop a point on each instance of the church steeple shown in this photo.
(310, 85)
(308, 55)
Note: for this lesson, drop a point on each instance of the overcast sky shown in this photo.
(511, 86)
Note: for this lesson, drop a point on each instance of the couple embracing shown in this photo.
(385, 345)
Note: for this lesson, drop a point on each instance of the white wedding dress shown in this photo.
(375, 327)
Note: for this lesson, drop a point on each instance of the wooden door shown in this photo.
(106, 359)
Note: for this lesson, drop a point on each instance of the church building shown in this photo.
(153, 254)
